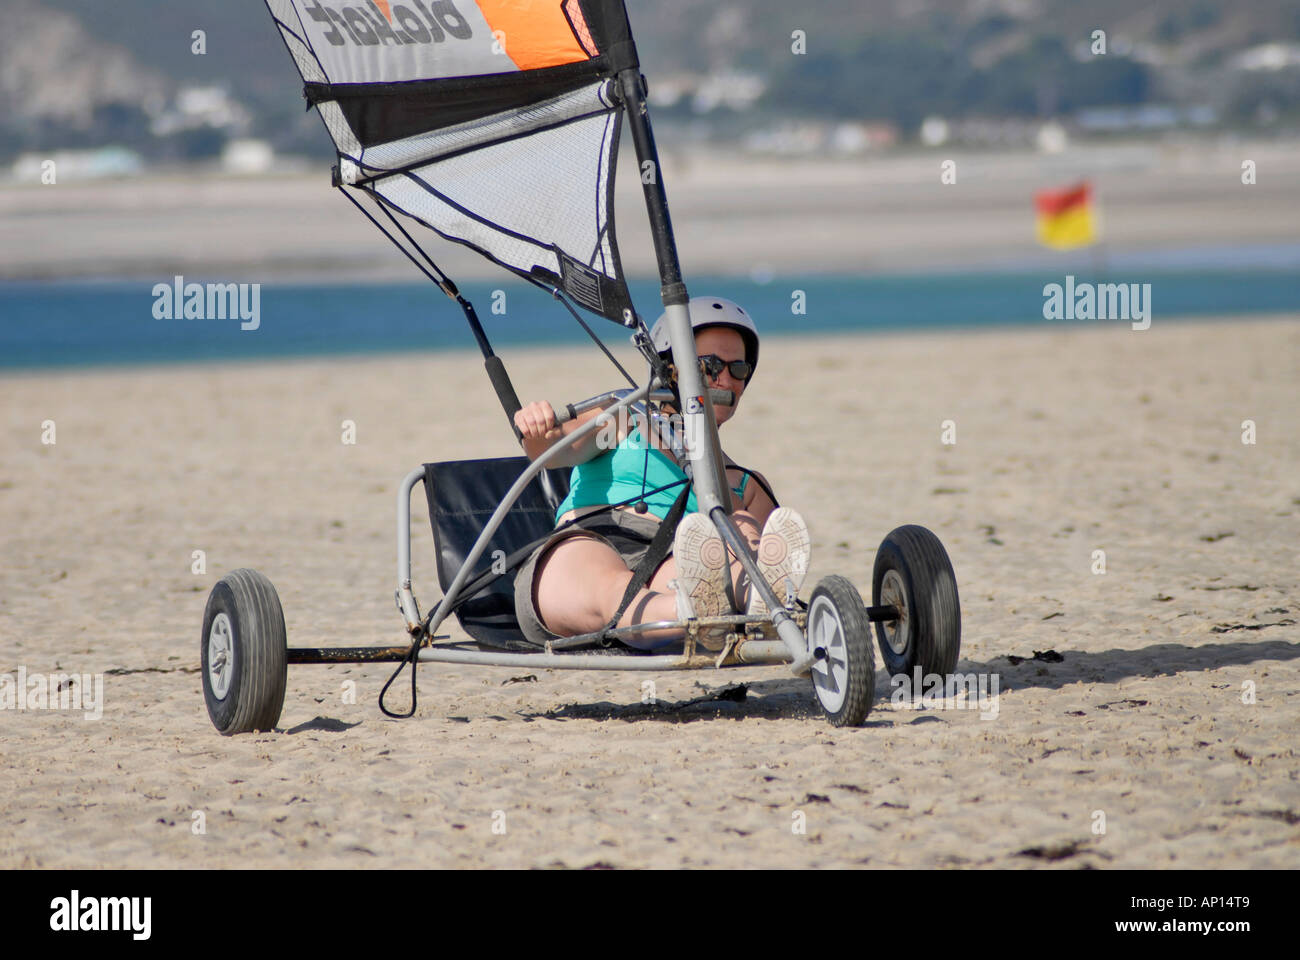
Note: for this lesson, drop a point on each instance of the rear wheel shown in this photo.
(244, 654)
(914, 574)
(844, 676)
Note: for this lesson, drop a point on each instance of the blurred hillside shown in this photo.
(84, 73)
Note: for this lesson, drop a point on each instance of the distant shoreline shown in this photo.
(1260, 257)
(733, 216)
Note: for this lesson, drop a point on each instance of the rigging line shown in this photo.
(630, 501)
(645, 475)
(558, 295)
(382, 229)
(449, 288)
(413, 660)
(645, 346)
(383, 205)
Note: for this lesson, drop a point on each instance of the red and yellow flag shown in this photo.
(1065, 217)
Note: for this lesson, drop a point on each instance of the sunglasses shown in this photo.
(714, 365)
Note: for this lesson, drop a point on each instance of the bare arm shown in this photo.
(536, 422)
(755, 501)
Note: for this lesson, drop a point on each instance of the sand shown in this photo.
(1068, 441)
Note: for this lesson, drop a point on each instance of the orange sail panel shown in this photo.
(494, 123)
(533, 33)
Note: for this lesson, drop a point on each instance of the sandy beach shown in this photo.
(1171, 710)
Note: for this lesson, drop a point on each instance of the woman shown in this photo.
(575, 582)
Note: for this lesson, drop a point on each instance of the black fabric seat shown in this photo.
(463, 494)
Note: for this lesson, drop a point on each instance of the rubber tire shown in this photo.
(259, 653)
(930, 589)
(861, 680)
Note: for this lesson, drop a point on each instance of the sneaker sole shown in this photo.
(701, 562)
(783, 555)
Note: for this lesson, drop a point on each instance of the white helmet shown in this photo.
(713, 312)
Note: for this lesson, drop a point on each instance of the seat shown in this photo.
(463, 495)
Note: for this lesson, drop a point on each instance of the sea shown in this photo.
(107, 323)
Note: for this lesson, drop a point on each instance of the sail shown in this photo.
(493, 122)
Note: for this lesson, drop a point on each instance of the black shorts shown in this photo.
(628, 533)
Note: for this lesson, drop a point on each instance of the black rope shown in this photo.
(558, 295)
(645, 344)
(448, 288)
(447, 285)
(641, 506)
(406, 253)
(661, 543)
(760, 481)
(415, 646)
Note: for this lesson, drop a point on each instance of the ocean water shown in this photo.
(45, 325)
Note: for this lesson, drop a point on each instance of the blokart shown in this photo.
(444, 113)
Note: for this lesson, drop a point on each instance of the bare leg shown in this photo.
(580, 582)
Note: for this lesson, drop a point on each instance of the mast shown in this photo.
(708, 478)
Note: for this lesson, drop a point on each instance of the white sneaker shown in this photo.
(701, 562)
(702, 570)
(783, 555)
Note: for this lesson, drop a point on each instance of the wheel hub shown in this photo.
(829, 675)
(221, 652)
(893, 593)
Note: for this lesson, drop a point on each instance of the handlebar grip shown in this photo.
(564, 412)
(505, 391)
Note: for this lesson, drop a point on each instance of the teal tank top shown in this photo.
(623, 474)
(617, 476)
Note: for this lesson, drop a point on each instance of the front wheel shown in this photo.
(844, 674)
(914, 574)
(244, 654)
